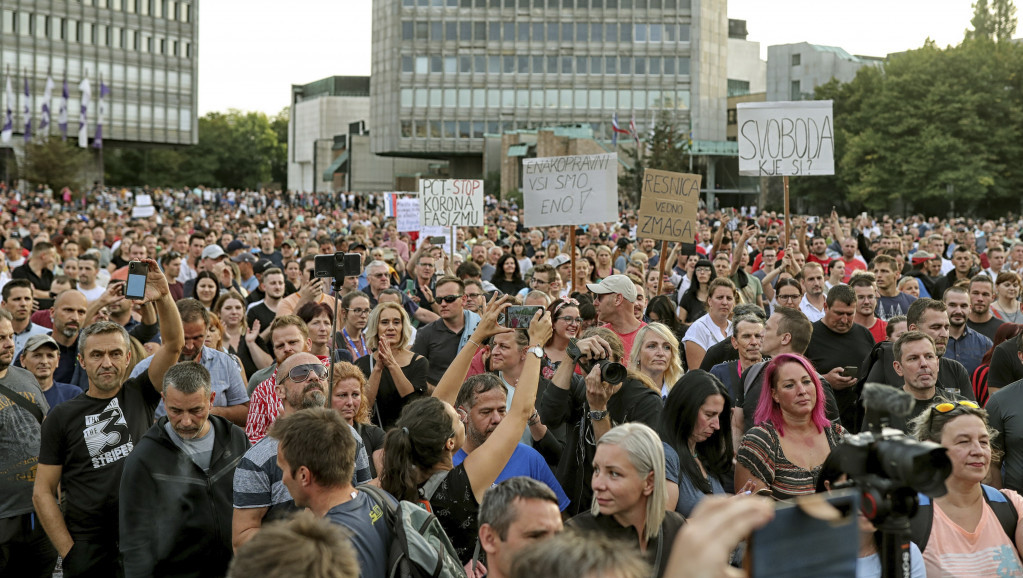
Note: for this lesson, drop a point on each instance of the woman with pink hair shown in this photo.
(792, 437)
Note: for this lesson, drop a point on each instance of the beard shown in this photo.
(310, 397)
(474, 435)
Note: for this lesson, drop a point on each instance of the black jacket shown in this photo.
(175, 518)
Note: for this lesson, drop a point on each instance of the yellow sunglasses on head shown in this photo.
(949, 406)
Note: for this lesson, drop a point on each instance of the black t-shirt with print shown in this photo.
(90, 437)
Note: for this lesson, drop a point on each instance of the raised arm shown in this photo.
(451, 381)
(486, 463)
(171, 332)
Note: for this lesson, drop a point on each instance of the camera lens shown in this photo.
(611, 372)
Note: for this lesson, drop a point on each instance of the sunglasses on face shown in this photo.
(449, 299)
(301, 373)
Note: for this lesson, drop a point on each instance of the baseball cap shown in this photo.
(244, 258)
(289, 243)
(37, 341)
(262, 265)
(559, 261)
(922, 257)
(615, 284)
(213, 252)
(236, 245)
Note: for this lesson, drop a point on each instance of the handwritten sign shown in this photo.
(570, 190)
(450, 203)
(406, 211)
(786, 138)
(143, 200)
(668, 206)
(146, 211)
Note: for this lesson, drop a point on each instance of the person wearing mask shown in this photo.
(629, 495)
(430, 431)
(713, 327)
(395, 375)
(260, 495)
(85, 440)
(441, 340)
(965, 534)
(965, 344)
(187, 457)
(515, 515)
(792, 436)
(655, 354)
(698, 439)
(589, 407)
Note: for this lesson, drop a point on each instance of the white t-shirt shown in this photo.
(705, 333)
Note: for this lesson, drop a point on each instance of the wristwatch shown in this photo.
(537, 351)
(596, 415)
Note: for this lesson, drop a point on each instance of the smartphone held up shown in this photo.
(135, 288)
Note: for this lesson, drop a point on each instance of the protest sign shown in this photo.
(407, 214)
(450, 203)
(146, 211)
(786, 138)
(668, 206)
(445, 232)
(143, 200)
(572, 190)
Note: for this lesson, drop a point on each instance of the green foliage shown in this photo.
(996, 21)
(236, 149)
(667, 149)
(929, 119)
(55, 162)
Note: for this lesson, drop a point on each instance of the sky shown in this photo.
(252, 51)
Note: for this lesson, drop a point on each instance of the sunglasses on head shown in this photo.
(301, 373)
(449, 299)
(949, 406)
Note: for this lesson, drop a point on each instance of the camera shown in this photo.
(337, 266)
(610, 371)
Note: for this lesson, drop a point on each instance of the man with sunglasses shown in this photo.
(441, 340)
(301, 382)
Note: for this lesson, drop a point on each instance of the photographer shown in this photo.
(591, 408)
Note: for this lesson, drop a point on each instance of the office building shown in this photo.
(747, 72)
(795, 70)
(447, 72)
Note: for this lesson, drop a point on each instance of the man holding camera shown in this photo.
(610, 298)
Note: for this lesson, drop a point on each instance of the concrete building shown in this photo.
(145, 52)
(355, 168)
(747, 72)
(319, 111)
(447, 72)
(795, 70)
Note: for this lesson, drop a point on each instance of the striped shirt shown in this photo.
(760, 452)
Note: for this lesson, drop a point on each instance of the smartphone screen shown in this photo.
(135, 288)
(519, 316)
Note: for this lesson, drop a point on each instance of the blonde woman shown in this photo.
(605, 268)
(655, 354)
(395, 376)
(630, 494)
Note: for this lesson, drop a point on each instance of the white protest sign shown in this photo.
(147, 211)
(143, 200)
(573, 190)
(407, 214)
(451, 203)
(786, 138)
(438, 232)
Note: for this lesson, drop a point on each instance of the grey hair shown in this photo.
(537, 294)
(188, 377)
(475, 386)
(748, 318)
(750, 309)
(498, 507)
(646, 454)
(378, 263)
(102, 328)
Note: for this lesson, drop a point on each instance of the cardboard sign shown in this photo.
(668, 206)
(573, 190)
(407, 214)
(786, 138)
(450, 203)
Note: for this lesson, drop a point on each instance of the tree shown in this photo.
(981, 22)
(53, 162)
(279, 163)
(666, 149)
(996, 21)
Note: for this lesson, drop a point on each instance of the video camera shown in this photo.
(337, 266)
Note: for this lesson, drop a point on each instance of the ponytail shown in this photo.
(415, 445)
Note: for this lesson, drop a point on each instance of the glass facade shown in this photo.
(144, 51)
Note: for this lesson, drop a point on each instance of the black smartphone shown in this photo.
(851, 371)
(135, 288)
(800, 543)
(518, 316)
(750, 223)
(437, 240)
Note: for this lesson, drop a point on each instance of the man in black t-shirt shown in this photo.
(837, 343)
(85, 440)
(916, 361)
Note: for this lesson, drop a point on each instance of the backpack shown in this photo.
(1005, 511)
(419, 547)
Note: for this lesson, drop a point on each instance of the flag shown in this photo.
(44, 118)
(62, 112)
(5, 133)
(615, 129)
(86, 88)
(26, 111)
(104, 91)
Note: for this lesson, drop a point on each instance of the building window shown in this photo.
(465, 31)
(451, 31)
(477, 129)
(407, 30)
(552, 32)
(450, 65)
(436, 31)
(509, 32)
(796, 59)
(465, 64)
(422, 65)
(436, 97)
(479, 31)
(596, 32)
(738, 87)
(656, 33)
(639, 32)
(582, 32)
(421, 96)
(24, 23)
(9, 20)
(406, 129)
(419, 128)
(796, 92)
(611, 65)
(407, 64)
(434, 129)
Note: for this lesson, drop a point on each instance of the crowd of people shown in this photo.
(257, 413)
